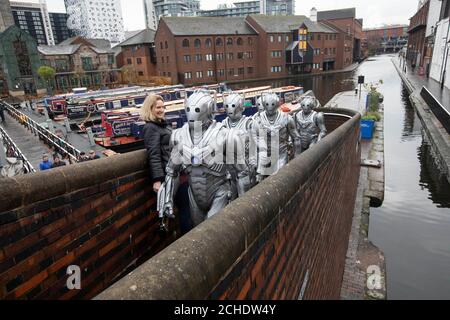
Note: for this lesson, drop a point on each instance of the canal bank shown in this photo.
(436, 135)
(365, 267)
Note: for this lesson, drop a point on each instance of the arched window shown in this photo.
(161, 45)
(229, 42)
(185, 43)
(208, 43)
(167, 46)
(219, 42)
(240, 42)
(197, 43)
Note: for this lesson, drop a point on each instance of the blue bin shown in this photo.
(367, 127)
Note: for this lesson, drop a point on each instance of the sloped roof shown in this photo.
(337, 14)
(58, 50)
(278, 24)
(98, 43)
(143, 36)
(319, 27)
(180, 26)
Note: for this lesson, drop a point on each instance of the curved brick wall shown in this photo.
(99, 215)
(285, 239)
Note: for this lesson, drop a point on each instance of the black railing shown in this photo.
(55, 142)
(13, 151)
(438, 109)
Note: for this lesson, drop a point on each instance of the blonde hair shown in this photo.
(146, 113)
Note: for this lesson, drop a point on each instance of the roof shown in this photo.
(319, 27)
(180, 26)
(58, 50)
(337, 14)
(278, 24)
(98, 43)
(143, 36)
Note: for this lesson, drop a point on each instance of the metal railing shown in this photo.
(13, 151)
(438, 109)
(49, 138)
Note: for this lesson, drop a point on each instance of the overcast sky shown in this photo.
(375, 13)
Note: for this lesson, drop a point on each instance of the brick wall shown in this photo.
(97, 215)
(285, 239)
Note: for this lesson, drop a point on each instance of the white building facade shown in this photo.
(96, 19)
(151, 22)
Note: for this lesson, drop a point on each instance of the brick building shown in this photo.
(386, 39)
(81, 62)
(138, 57)
(206, 50)
(346, 21)
(417, 46)
(198, 50)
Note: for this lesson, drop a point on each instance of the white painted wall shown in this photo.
(440, 51)
(433, 16)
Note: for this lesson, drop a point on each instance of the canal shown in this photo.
(412, 227)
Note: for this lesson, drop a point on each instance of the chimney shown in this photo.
(313, 16)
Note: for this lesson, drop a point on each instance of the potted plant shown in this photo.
(368, 122)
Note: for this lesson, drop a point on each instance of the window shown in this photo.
(188, 75)
(129, 61)
(250, 41)
(139, 61)
(187, 58)
(219, 56)
(185, 43)
(240, 42)
(198, 57)
(197, 43)
(87, 63)
(161, 45)
(287, 38)
(210, 73)
(167, 59)
(280, 39)
(250, 55)
(221, 72)
(167, 46)
(326, 51)
(250, 70)
(241, 71)
(276, 69)
(231, 72)
(326, 37)
(199, 74)
(311, 36)
(219, 42)
(141, 74)
(230, 56)
(208, 43)
(111, 59)
(318, 37)
(209, 57)
(162, 59)
(229, 42)
(271, 38)
(240, 55)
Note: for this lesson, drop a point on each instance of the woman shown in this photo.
(156, 134)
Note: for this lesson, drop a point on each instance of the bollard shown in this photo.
(90, 136)
(67, 124)
(51, 128)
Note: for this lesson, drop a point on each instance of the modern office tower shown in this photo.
(176, 8)
(96, 19)
(151, 21)
(243, 8)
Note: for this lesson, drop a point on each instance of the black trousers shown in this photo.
(2, 115)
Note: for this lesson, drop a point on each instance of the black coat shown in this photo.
(157, 142)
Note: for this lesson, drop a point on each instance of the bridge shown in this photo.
(287, 238)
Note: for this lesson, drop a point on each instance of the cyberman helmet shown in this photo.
(308, 104)
(234, 106)
(200, 107)
(259, 105)
(271, 102)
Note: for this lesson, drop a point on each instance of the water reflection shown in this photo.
(411, 123)
(432, 179)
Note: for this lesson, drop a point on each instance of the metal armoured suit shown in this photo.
(257, 116)
(310, 124)
(234, 106)
(200, 149)
(273, 133)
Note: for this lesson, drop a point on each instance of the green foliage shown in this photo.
(375, 116)
(46, 73)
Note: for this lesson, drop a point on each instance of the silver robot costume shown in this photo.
(236, 120)
(196, 147)
(273, 133)
(310, 124)
(257, 116)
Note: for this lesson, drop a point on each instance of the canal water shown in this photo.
(412, 227)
